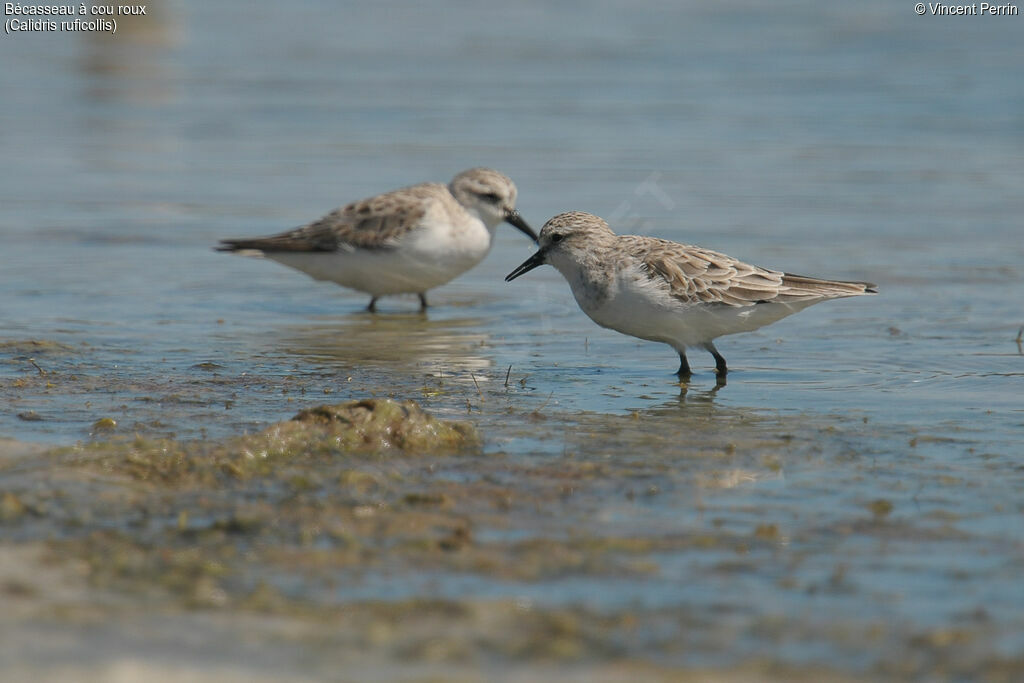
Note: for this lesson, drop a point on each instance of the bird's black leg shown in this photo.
(423, 301)
(372, 308)
(684, 367)
(720, 366)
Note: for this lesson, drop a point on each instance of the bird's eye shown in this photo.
(557, 237)
(491, 197)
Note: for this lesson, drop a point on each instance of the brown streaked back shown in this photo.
(376, 223)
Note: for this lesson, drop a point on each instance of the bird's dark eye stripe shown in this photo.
(491, 197)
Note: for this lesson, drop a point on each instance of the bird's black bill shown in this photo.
(527, 265)
(514, 219)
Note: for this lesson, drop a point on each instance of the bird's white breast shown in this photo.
(442, 246)
(635, 304)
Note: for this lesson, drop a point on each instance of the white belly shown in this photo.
(428, 257)
(635, 307)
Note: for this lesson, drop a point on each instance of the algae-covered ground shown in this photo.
(497, 534)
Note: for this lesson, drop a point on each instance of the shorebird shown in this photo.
(406, 241)
(681, 295)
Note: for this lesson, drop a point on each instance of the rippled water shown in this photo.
(852, 141)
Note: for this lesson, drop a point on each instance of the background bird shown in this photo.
(405, 241)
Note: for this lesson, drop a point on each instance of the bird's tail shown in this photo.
(232, 245)
(802, 286)
(288, 241)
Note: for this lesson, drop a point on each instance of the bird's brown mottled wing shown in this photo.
(376, 223)
(698, 275)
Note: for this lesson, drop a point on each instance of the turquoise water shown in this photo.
(852, 141)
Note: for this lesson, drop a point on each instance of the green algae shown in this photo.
(363, 428)
(369, 425)
(22, 349)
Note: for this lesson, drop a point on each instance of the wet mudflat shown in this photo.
(519, 534)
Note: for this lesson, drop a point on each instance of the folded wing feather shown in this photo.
(700, 275)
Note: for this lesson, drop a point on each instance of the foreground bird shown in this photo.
(402, 242)
(678, 294)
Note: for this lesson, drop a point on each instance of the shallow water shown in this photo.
(851, 141)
